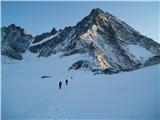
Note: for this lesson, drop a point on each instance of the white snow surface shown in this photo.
(140, 52)
(126, 95)
(45, 40)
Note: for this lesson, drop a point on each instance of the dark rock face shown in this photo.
(100, 36)
(53, 31)
(47, 48)
(41, 37)
(80, 64)
(15, 41)
(152, 61)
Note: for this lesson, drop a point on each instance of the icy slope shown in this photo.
(26, 95)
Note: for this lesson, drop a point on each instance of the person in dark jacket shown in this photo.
(60, 85)
(66, 82)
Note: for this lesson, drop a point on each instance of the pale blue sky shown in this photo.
(38, 17)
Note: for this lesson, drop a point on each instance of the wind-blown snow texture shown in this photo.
(126, 95)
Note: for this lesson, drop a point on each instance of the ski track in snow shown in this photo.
(25, 95)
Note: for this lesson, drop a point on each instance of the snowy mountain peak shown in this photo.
(96, 16)
(15, 28)
(104, 43)
(15, 41)
(95, 12)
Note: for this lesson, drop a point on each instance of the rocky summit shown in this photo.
(107, 44)
(14, 41)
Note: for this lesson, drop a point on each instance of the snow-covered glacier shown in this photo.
(126, 95)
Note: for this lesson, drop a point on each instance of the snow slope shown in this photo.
(140, 52)
(25, 95)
